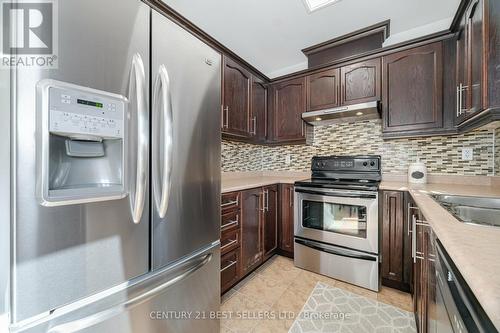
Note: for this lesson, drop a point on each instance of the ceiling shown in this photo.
(270, 34)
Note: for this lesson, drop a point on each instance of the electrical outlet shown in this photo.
(288, 159)
(467, 154)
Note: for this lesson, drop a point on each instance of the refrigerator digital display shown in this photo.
(90, 103)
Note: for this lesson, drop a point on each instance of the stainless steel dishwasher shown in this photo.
(457, 309)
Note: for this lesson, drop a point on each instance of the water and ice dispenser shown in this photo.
(81, 144)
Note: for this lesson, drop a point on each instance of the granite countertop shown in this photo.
(474, 249)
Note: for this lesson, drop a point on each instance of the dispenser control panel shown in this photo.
(84, 113)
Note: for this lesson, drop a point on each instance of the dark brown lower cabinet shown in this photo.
(230, 239)
(230, 267)
(251, 235)
(286, 219)
(424, 275)
(432, 312)
(396, 241)
(249, 231)
(420, 280)
(402, 223)
(270, 221)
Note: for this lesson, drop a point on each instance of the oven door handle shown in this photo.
(338, 194)
(337, 252)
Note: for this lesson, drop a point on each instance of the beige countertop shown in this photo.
(246, 180)
(457, 189)
(475, 250)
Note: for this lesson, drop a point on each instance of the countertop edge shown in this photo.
(249, 183)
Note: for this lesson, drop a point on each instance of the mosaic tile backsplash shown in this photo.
(497, 152)
(442, 154)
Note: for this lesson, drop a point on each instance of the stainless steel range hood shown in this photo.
(342, 114)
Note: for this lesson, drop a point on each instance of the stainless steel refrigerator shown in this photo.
(114, 172)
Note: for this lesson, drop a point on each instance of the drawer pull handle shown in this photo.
(410, 207)
(229, 224)
(234, 241)
(231, 264)
(230, 203)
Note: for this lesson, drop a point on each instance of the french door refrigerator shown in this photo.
(114, 178)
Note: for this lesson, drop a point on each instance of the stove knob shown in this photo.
(372, 163)
(365, 163)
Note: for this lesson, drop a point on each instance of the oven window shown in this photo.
(333, 217)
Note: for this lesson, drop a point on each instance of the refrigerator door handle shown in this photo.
(99, 317)
(162, 99)
(137, 85)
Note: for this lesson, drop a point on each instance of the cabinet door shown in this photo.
(397, 262)
(412, 88)
(360, 82)
(288, 105)
(461, 71)
(432, 312)
(474, 32)
(236, 97)
(421, 276)
(270, 225)
(323, 90)
(286, 218)
(251, 249)
(393, 239)
(258, 119)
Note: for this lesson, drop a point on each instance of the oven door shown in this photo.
(339, 217)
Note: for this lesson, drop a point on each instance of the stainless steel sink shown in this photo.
(473, 210)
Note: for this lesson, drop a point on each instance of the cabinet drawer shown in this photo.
(229, 264)
(229, 240)
(230, 220)
(230, 201)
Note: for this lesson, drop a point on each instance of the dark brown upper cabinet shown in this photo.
(470, 61)
(477, 57)
(360, 82)
(461, 72)
(412, 89)
(474, 26)
(323, 90)
(351, 45)
(236, 99)
(258, 117)
(288, 102)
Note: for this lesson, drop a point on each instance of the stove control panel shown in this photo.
(346, 163)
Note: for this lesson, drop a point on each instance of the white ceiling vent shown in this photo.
(313, 5)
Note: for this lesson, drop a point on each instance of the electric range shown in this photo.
(336, 219)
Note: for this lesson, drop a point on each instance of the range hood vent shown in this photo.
(349, 113)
